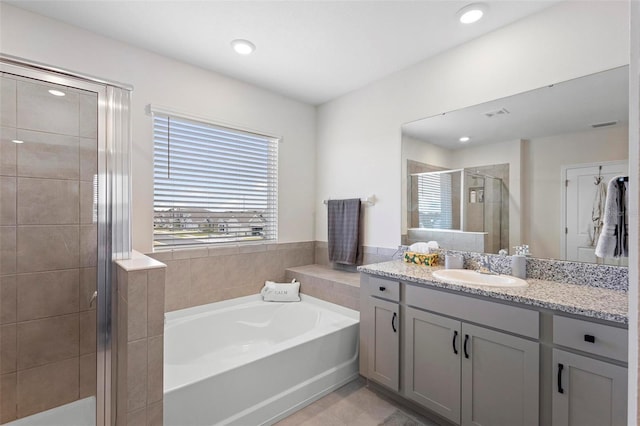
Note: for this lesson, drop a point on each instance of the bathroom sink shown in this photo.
(466, 276)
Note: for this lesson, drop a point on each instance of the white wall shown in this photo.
(544, 160)
(358, 145)
(159, 80)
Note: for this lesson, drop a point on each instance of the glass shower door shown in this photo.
(48, 251)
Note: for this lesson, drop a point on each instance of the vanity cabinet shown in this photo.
(588, 391)
(384, 355)
(464, 372)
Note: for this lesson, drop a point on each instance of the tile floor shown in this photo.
(356, 404)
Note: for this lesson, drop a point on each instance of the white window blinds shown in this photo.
(212, 184)
(434, 201)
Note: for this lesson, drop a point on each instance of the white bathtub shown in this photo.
(249, 362)
(77, 413)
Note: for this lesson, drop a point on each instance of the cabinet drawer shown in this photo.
(385, 289)
(504, 317)
(598, 339)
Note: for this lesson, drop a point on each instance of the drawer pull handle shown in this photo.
(455, 337)
(560, 368)
(589, 338)
(382, 288)
(393, 322)
(466, 340)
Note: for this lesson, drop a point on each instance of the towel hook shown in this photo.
(598, 178)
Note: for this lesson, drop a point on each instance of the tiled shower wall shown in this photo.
(47, 247)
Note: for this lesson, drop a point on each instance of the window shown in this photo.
(434, 200)
(212, 184)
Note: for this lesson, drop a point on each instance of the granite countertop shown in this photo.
(595, 302)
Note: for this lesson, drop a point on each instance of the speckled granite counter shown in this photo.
(585, 300)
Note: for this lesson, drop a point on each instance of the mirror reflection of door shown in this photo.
(579, 198)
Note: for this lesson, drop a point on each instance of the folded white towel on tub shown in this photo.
(281, 292)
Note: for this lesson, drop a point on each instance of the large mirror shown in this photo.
(532, 169)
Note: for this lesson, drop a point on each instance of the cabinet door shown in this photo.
(384, 341)
(432, 362)
(500, 378)
(588, 392)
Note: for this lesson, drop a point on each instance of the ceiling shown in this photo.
(312, 51)
(568, 107)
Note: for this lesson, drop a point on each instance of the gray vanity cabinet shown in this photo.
(384, 338)
(469, 374)
(589, 391)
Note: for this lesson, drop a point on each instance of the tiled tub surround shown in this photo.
(140, 339)
(323, 282)
(369, 255)
(47, 247)
(210, 274)
(579, 299)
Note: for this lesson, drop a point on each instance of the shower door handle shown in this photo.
(94, 296)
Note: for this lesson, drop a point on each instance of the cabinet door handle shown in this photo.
(466, 340)
(560, 368)
(455, 337)
(382, 288)
(393, 322)
(589, 338)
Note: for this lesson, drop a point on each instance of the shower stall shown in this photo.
(468, 200)
(64, 217)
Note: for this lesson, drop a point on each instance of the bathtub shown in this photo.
(80, 413)
(248, 362)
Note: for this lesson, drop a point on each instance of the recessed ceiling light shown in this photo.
(243, 47)
(17, 141)
(464, 139)
(471, 13)
(56, 92)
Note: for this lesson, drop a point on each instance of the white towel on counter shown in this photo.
(281, 292)
(423, 247)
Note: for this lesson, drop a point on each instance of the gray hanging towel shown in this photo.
(344, 230)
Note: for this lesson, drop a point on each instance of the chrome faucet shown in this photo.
(485, 265)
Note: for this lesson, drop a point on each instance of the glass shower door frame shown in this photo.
(105, 389)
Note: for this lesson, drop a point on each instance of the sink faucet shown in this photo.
(485, 265)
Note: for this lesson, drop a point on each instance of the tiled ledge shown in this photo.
(339, 287)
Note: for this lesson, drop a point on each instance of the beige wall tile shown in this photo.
(177, 282)
(88, 159)
(155, 357)
(137, 302)
(121, 394)
(155, 301)
(46, 155)
(87, 332)
(137, 374)
(155, 414)
(8, 351)
(8, 305)
(46, 248)
(7, 250)
(269, 266)
(208, 277)
(48, 386)
(87, 375)
(88, 245)
(47, 294)
(137, 417)
(88, 282)
(162, 256)
(86, 204)
(48, 202)
(8, 151)
(237, 272)
(123, 285)
(8, 401)
(7, 200)
(47, 340)
(8, 101)
(39, 110)
(223, 250)
(88, 116)
(190, 253)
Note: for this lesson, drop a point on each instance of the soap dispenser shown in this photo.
(519, 262)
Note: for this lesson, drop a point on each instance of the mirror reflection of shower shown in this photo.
(473, 199)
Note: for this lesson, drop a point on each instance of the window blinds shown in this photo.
(212, 184)
(434, 201)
